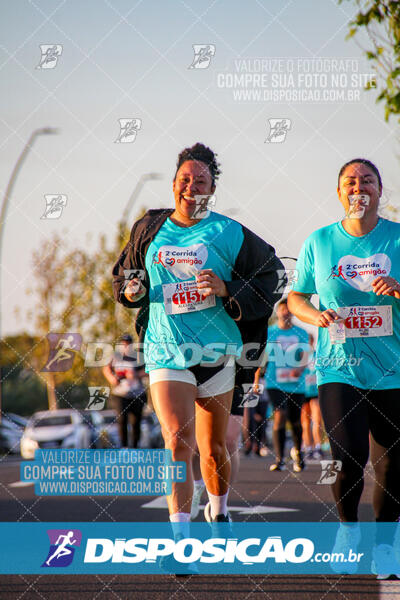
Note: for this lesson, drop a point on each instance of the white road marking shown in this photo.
(18, 484)
(161, 503)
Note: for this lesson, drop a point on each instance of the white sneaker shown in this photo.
(207, 514)
(197, 494)
(384, 563)
(347, 538)
(298, 460)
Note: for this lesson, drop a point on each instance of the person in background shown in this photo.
(128, 394)
(310, 411)
(285, 383)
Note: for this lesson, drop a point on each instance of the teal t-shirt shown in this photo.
(311, 388)
(179, 336)
(340, 268)
(285, 349)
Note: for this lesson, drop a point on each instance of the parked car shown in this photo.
(151, 436)
(94, 422)
(11, 430)
(63, 428)
(18, 421)
(110, 430)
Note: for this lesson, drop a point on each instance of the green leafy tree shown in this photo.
(380, 19)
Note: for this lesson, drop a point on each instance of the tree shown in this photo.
(20, 358)
(380, 19)
(73, 293)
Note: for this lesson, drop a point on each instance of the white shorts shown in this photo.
(223, 381)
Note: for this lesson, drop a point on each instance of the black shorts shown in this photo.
(280, 399)
(236, 409)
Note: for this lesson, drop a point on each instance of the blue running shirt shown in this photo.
(340, 268)
(284, 350)
(177, 333)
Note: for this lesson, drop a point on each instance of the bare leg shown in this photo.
(174, 404)
(232, 442)
(316, 420)
(306, 424)
(212, 416)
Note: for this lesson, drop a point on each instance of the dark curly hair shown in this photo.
(362, 161)
(203, 154)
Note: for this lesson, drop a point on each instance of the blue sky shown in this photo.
(122, 59)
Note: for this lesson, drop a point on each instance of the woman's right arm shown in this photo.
(300, 305)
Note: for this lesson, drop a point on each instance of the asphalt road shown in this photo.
(258, 495)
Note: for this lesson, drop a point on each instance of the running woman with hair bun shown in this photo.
(209, 285)
(354, 267)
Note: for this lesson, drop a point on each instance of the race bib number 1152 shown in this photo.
(367, 321)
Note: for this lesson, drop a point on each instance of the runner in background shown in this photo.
(285, 379)
(311, 419)
(354, 267)
(255, 419)
(128, 395)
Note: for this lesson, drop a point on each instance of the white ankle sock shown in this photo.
(180, 523)
(218, 504)
(199, 483)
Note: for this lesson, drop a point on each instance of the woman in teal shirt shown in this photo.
(354, 267)
(208, 287)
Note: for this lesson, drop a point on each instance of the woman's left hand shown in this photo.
(386, 286)
(209, 283)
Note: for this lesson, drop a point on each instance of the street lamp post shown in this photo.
(125, 215)
(133, 198)
(15, 172)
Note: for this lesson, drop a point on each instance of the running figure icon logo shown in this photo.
(337, 271)
(278, 129)
(203, 54)
(128, 130)
(62, 351)
(50, 55)
(98, 397)
(62, 547)
(204, 203)
(54, 206)
(287, 277)
(251, 394)
(330, 470)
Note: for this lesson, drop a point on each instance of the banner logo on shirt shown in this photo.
(182, 262)
(361, 272)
